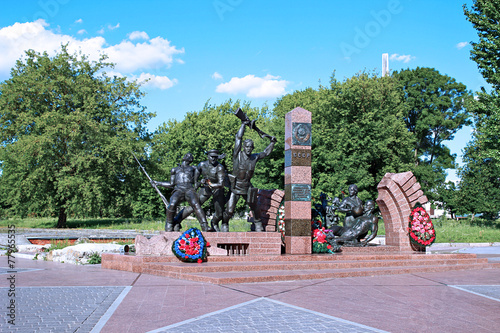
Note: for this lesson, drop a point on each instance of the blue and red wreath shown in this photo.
(191, 246)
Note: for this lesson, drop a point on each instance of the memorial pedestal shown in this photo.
(298, 182)
(298, 244)
(221, 243)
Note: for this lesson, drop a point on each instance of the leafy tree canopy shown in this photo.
(358, 132)
(67, 131)
(435, 111)
(480, 181)
(485, 17)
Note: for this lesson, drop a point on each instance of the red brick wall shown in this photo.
(397, 195)
(269, 202)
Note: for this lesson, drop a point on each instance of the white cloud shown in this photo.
(254, 87)
(401, 57)
(155, 53)
(461, 45)
(216, 76)
(82, 31)
(129, 57)
(138, 35)
(147, 80)
(109, 27)
(156, 81)
(79, 21)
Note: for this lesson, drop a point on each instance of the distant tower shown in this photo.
(385, 64)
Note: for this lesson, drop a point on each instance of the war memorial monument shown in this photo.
(347, 245)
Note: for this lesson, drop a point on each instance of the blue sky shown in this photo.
(256, 51)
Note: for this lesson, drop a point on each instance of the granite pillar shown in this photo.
(298, 181)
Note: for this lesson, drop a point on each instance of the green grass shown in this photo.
(112, 224)
(59, 244)
(381, 228)
(466, 231)
(103, 223)
(447, 230)
(95, 259)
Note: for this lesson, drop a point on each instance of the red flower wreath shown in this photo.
(420, 227)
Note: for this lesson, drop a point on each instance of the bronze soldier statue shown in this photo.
(243, 169)
(184, 181)
(212, 185)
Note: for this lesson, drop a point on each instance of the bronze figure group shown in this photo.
(184, 179)
(360, 225)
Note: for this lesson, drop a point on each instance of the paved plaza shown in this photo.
(60, 309)
(57, 297)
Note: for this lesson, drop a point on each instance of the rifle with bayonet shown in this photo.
(165, 201)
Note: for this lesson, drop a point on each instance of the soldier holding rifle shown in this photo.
(184, 181)
(243, 169)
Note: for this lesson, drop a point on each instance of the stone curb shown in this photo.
(460, 245)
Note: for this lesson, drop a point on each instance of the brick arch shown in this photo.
(269, 202)
(397, 195)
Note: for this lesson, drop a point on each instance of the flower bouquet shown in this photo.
(420, 227)
(320, 244)
(281, 221)
(191, 246)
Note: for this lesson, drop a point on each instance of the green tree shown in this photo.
(449, 199)
(199, 131)
(485, 17)
(435, 112)
(481, 173)
(480, 183)
(358, 132)
(67, 131)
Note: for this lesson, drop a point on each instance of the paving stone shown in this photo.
(265, 315)
(492, 292)
(58, 309)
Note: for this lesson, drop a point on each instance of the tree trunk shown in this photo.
(61, 222)
(433, 146)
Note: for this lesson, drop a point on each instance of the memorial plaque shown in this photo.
(301, 192)
(301, 134)
(298, 157)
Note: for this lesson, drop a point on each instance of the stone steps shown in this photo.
(250, 269)
(319, 257)
(292, 266)
(306, 274)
